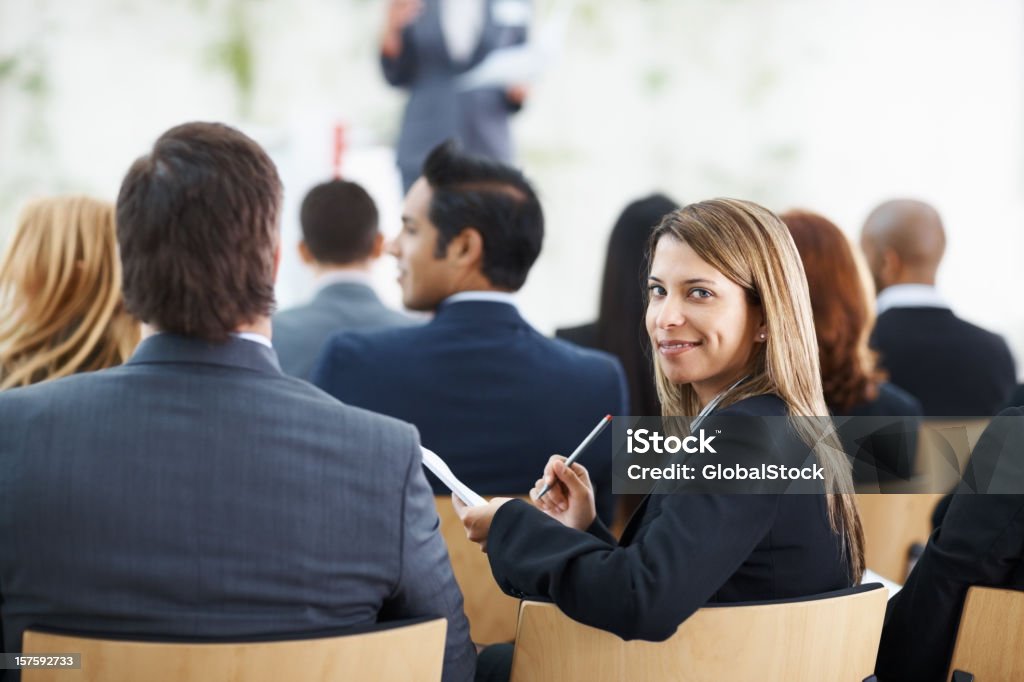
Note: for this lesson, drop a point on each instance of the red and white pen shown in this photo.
(580, 448)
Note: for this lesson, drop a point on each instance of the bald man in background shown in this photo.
(952, 366)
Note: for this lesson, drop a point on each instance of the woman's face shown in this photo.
(702, 325)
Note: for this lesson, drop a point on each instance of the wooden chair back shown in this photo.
(990, 641)
(831, 637)
(409, 653)
(492, 614)
(892, 524)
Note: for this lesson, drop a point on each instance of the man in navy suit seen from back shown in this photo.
(489, 393)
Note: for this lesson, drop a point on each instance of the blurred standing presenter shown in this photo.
(426, 47)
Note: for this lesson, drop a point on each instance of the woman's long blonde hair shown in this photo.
(752, 247)
(61, 309)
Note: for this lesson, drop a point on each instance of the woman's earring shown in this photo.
(763, 336)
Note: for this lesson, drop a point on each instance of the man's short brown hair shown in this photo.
(197, 223)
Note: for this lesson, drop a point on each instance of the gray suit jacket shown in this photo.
(437, 109)
(196, 491)
(300, 332)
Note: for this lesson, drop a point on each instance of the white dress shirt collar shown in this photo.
(491, 296)
(254, 337)
(910, 296)
(246, 336)
(326, 279)
(462, 22)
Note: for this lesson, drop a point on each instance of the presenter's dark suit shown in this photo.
(196, 491)
(438, 108)
(678, 552)
(344, 306)
(953, 367)
(980, 542)
(489, 393)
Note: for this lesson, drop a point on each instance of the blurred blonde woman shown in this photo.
(61, 310)
(730, 326)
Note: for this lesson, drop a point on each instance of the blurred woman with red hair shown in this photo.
(854, 384)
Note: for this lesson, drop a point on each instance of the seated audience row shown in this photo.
(201, 491)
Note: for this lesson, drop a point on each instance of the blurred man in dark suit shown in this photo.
(980, 542)
(954, 368)
(197, 491)
(488, 392)
(340, 241)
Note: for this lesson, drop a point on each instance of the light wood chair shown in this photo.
(990, 641)
(831, 637)
(892, 524)
(492, 613)
(408, 653)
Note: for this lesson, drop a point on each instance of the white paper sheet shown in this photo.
(441, 470)
(522, 64)
(872, 577)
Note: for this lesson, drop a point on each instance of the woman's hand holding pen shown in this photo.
(570, 499)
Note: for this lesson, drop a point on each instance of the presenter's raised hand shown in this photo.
(401, 13)
(477, 520)
(571, 497)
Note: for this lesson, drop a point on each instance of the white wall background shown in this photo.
(830, 105)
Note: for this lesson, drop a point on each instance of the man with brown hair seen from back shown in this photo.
(197, 491)
(953, 367)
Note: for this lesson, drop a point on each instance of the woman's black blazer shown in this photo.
(678, 553)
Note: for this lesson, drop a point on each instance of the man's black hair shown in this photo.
(493, 198)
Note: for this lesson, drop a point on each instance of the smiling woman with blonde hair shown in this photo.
(61, 309)
(730, 326)
(753, 249)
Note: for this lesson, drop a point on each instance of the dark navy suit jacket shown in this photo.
(489, 393)
(196, 491)
(953, 367)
